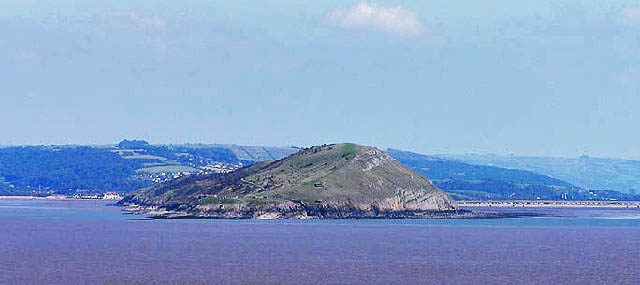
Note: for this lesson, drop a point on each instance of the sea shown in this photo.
(93, 242)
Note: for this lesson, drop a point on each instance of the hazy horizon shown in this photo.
(544, 78)
(303, 146)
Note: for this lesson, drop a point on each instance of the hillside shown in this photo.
(329, 181)
(134, 164)
(127, 166)
(586, 172)
(194, 158)
(466, 181)
(49, 170)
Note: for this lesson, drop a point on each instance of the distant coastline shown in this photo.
(58, 198)
(550, 204)
(37, 198)
(479, 204)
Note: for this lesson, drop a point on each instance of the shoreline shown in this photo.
(50, 198)
(550, 204)
(155, 213)
(469, 204)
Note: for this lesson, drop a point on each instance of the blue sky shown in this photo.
(552, 78)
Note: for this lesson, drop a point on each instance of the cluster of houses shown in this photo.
(97, 196)
(161, 177)
(220, 168)
(154, 177)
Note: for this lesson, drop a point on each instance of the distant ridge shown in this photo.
(123, 167)
(134, 164)
(465, 181)
(586, 172)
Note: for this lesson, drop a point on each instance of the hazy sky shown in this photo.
(553, 78)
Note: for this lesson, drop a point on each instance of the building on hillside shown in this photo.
(86, 196)
(111, 196)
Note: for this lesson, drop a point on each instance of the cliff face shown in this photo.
(330, 181)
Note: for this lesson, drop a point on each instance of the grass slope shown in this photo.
(330, 175)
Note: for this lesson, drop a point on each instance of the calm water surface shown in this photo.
(89, 242)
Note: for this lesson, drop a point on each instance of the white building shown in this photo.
(111, 196)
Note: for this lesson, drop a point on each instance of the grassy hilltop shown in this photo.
(339, 180)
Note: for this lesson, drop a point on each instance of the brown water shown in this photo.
(78, 242)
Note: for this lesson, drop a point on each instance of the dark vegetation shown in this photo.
(45, 170)
(25, 169)
(349, 151)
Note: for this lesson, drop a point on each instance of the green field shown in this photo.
(144, 156)
(167, 168)
(472, 195)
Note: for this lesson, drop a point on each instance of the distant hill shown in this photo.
(480, 182)
(133, 164)
(329, 181)
(127, 166)
(586, 172)
(62, 169)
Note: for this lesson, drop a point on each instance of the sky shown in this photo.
(543, 78)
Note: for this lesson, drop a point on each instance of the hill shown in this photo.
(127, 166)
(586, 172)
(134, 164)
(329, 181)
(48, 170)
(195, 157)
(481, 182)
